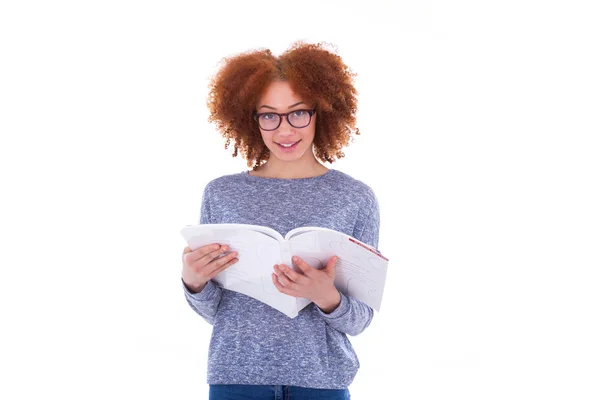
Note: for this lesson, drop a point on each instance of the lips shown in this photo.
(288, 149)
(287, 143)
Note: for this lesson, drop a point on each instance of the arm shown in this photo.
(352, 316)
(205, 302)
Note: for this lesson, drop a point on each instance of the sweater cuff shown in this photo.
(208, 292)
(341, 310)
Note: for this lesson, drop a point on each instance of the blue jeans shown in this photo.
(266, 392)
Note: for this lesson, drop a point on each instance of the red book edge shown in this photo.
(368, 248)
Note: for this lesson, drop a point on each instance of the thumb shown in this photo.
(330, 268)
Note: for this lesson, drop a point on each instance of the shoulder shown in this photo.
(356, 187)
(225, 182)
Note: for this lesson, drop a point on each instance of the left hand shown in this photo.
(313, 284)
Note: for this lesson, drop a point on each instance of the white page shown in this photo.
(257, 254)
(360, 273)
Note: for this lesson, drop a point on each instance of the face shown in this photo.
(279, 98)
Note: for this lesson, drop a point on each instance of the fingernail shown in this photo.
(295, 258)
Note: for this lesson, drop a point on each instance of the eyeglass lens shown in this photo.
(298, 119)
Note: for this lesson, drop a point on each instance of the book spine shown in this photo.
(286, 253)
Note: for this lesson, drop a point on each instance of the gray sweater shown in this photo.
(253, 343)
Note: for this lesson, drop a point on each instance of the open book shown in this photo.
(360, 269)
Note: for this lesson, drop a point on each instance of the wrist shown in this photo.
(195, 288)
(330, 301)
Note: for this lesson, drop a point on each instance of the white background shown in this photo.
(479, 136)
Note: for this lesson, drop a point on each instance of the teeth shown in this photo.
(287, 145)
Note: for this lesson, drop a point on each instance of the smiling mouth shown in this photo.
(288, 145)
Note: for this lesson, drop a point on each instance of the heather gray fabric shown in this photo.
(253, 343)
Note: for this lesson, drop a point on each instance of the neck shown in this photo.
(275, 168)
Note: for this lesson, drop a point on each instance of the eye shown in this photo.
(299, 113)
(268, 116)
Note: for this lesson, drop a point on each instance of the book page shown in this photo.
(257, 254)
(263, 229)
(360, 270)
(304, 229)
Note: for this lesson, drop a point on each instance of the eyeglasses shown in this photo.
(271, 120)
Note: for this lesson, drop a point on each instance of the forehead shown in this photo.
(279, 94)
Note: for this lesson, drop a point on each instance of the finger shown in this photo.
(280, 287)
(205, 253)
(221, 261)
(283, 279)
(330, 268)
(222, 268)
(291, 274)
(209, 249)
(306, 268)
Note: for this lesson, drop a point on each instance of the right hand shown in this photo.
(202, 264)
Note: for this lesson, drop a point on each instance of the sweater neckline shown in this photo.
(307, 179)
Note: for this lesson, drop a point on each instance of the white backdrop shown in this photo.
(479, 136)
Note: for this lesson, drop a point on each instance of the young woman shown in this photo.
(286, 115)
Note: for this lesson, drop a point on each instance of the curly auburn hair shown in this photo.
(315, 74)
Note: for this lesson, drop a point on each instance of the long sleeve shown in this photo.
(352, 316)
(206, 302)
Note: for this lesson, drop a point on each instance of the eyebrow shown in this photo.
(273, 108)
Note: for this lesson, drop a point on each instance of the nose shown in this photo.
(284, 121)
(285, 127)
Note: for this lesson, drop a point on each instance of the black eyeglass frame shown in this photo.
(286, 115)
